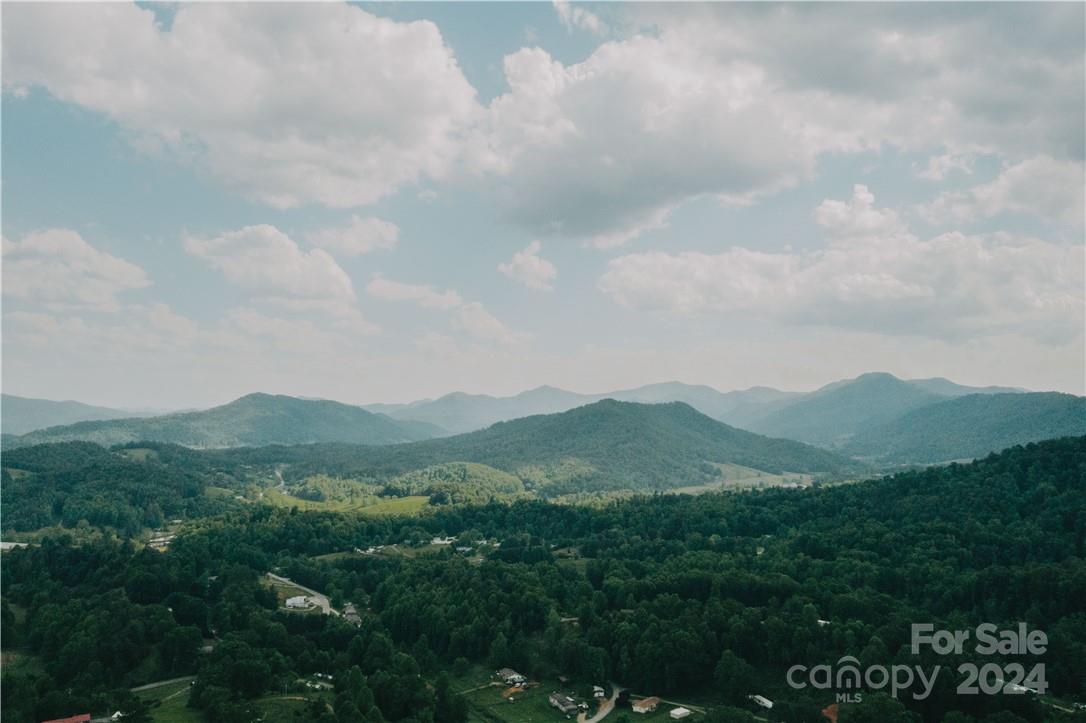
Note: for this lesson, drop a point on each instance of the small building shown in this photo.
(598, 692)
(645, 705)
(563, 703)
(511, 676)
(443, 541)
(679, 713)
(298, 602)
(762, 701)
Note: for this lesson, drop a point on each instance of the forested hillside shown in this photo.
(712, 596)
(253, 420)
(971, 426)
(608, 445)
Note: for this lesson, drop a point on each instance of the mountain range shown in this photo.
(969, 427)
(252, 420)
(876, 417)
(19, 415)
(606, 445)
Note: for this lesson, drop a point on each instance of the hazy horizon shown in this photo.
(586, 392)
(593, 197)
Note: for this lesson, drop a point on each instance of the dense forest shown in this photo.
(971, 426)
(714, 595)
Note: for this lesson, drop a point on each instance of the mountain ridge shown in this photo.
(256, 419)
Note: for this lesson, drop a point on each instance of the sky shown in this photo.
(382, 202)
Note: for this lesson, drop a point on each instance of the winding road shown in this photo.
(315, 597)
(605, 708)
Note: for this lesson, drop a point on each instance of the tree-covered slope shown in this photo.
(608, 445)
(831, 415)
(971, 426)
(69, 482)
(253, 420)
(19, 415)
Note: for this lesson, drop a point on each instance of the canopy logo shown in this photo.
(849, 681)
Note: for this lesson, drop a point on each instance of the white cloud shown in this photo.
(576, 17)
(940, 166)
(270, 265)
(601, 151)
(1040, 186)
(360, 236)
(425, 296)
(58, 268)
(873, 276)
(529, 268)
(474, 319)
(470, 317)
(290, 103)
(735, 101)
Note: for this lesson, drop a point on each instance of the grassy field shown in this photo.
(737, 477)
(172, 703)
(139, 454)
(390, 506)
(397, 506)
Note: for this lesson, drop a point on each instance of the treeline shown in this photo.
(73, 482)
(714, 595)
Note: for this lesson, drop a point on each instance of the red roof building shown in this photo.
(81, 718)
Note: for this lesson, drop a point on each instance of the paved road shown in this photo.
(160, 683)
(317, 598)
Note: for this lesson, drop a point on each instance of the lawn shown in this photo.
(172, 703)
(737, 477)
(390, 506)
(486, 704)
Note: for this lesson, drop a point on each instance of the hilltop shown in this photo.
(608, 445)
(252, 420)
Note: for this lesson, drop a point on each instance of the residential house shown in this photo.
(350, 614)
(598, 692)
(298, 602)
(563, 703)
(81, 718)
(511, 676)
(645, 705)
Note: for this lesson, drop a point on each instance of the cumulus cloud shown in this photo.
(270, 265)
(603, 150)
(734, 102)
(874, 275)
(576, 17)
(480, 324)
(1040, 186)
(289, 103)
(331, 104)
(470, 317)
(360, 236)
(529, 268)
(423, 295)
(58, 268)
(942, 165)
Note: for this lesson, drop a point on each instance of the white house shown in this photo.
(679, 713)
(762, 701)
(298, 602)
